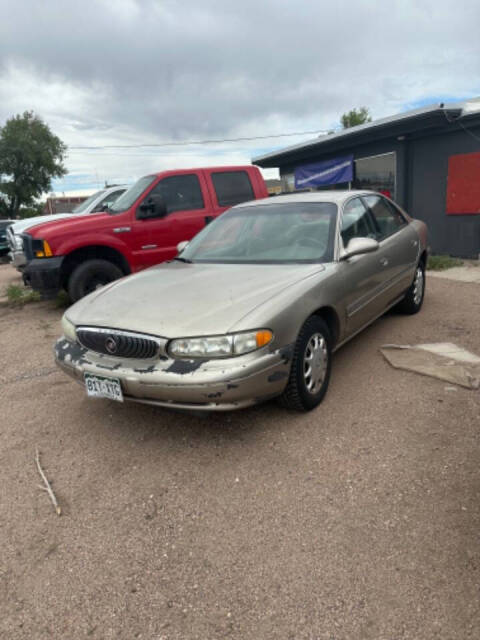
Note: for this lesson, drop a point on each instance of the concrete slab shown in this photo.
(467, 273)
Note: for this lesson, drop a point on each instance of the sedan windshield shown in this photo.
(271, 234)
(126, 200)
(83, 206)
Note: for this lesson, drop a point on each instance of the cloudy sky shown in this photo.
(133, 72)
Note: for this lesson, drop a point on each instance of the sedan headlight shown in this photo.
(69, 330)
(235, 344)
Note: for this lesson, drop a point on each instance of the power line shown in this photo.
(470, 133)
(184, 143)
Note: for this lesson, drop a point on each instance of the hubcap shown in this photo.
(315, 362)
(418, 286)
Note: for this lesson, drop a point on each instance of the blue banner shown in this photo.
(321, 174)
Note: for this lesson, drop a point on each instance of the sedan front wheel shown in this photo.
(311, 365)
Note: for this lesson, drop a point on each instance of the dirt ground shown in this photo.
(359, 520)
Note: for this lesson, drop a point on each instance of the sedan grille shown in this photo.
(120, 344)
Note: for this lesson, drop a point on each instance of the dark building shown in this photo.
(427, 160)
(274, 186)
(62, 204)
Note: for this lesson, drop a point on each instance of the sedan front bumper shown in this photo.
(209, 385)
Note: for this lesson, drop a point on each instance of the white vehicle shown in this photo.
(99, 201)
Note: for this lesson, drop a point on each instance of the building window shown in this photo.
(376, 173)
(288, 181)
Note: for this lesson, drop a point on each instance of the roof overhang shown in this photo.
(426, 119)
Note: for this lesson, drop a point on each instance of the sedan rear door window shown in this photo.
(387, 219)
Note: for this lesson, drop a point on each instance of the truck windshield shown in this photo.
(83, 206)
(126, 200)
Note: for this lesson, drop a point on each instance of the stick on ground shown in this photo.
(47, 486)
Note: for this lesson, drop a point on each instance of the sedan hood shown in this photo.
(180, 300)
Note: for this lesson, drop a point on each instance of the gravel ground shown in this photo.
(359, 520)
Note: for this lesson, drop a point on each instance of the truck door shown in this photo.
(188, 209)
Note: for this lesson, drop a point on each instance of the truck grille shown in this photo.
(120, 344)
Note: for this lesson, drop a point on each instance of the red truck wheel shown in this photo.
(91, 275)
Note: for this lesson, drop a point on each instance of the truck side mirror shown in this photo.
(152, 207)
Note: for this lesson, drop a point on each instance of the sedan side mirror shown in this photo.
(359, 246)
(182, 245)
(152, 207)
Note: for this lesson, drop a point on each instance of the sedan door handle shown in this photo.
(383, 262)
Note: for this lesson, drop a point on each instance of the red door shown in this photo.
(188, 206)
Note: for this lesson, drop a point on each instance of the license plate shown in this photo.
(100, 387)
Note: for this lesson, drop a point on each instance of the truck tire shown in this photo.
(91, 275)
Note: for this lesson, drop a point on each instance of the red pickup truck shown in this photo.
(142, 228)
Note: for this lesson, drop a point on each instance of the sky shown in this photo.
(135, 72)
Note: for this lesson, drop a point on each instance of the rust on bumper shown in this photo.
(210, 385)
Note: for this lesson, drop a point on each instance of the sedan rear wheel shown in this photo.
(413, 300)
(311, 365)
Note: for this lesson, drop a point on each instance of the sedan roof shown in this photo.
(338, 197)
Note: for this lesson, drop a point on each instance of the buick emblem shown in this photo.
(111, 345)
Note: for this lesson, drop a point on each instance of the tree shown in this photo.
(37, 209)
(354, 117)
(30, 156)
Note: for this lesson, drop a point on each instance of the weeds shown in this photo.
(20, 295)
(62, 301)
(440, 263)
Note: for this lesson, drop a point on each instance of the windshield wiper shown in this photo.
(186, 260)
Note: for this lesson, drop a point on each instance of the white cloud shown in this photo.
(146, 71)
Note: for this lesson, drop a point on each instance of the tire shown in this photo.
(91, 275)
(314, 335)
(413, 300)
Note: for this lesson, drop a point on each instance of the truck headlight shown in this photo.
(68, 328)
(18, 243)
(41, 248)
(235, 344)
